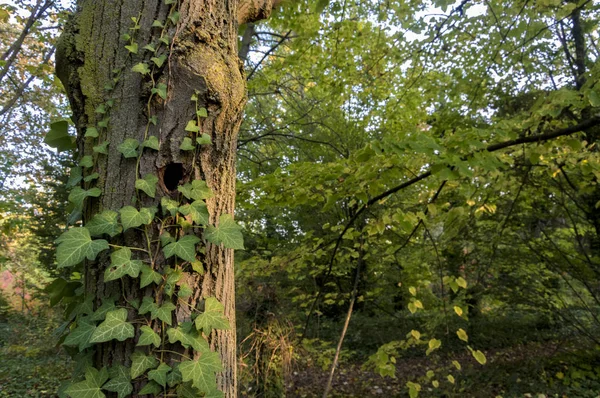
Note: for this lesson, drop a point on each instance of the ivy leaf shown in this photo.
(101, 148)
(188, 337)
(140, 363)
(184, 291)
(75, 176)
(92, 177)
(78, 195)
(149, 276)
(166, 238)
(148, 337)
(58, 137)
(151, 388)
(159, 374)
(80, 336)
(202, 112)
(119, 381)
(108, 304)
(141, 68)
(114, 327)
(197, 210)
(184, 248)
(169, 205)
(131, 218)
(213, 317)
(129, 148)
(148, 305)
(228, 233)
(87, 161)
(186, 144)
(150, 47)
(132, 48)
(204, 139)
(121, 264)
(163, 313)
(90, 387)
(104, 223)
(192, 127)
(148, 184)
(196, 190)
(91, 132)
(152, 143)
(202, 371)
(75, 245)
(161, 88)
(157, 24)
(159, 61)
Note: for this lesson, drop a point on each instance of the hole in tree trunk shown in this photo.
(172, 175)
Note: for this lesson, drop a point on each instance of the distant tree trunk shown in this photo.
(202, 62)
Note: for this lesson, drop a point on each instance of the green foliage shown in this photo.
(75, 245)
(227, 232)
(115, 326)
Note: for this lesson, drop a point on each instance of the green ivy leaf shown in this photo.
(169, 205)
(192, 127)
(149, 276)
(121, 264)
(87, 161)
(150, 47)
(151, 388)
(80, 336)
(92, 177)
(141, 68)
(131, 218)
(202, 372)
(132, 48)
(186, 144)
(78, 195)
(212, 318)
(104, 122)
(75, 176)
(119, 381)
(174, 17)
(184, 291)
(91, 132)
(163, 313)
(196, 190)
(148, 305)
(148, 337)
(129, 148)
(204, 139)
(75, 245)
(202, 112)
(58, 137)
(159, 61)
(101, 148)
(108, 304)
(174, 377)
(159, 374)
(140, 363)
(157, 24)
(152, 143)
(197, 210)
(228, 233)
(184, 248)
(160, 89)
(104, 223)
(115, 326)
(90, 387)
(147, 184)
(188, 337)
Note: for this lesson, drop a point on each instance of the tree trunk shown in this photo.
(200, 60)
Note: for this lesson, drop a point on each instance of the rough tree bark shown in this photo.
(202, 59)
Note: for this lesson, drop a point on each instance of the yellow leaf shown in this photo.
(456, 364)
(458, 310)
(462, 335)
(412, 290)
(460, 281)
(435, 383)
(480, 357)
(451, 379)
(418, 304)
(415, 334)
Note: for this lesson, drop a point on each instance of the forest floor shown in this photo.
(532, 370)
